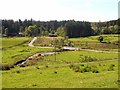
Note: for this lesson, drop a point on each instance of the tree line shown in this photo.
(69, 28)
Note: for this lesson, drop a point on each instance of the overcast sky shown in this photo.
(45, 10)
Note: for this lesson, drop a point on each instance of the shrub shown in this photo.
(87, 59)
(23, 65)
(81, 64)
(46, 66)
(55, 72)
(40, 72)
(76, 68)
(17, 71)
(11, 66)
(34, 85)
(85, 69)
(118, 81)
(71, 65)
(111, 67)
(116, 42)
(100, 38)
(37, 67)
(95, 70)
(6, 67)
(100, 64)
(82, 70)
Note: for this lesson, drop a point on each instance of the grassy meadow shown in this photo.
(60, 75)
(76, 56)
(110, 42)
(16, 49)
(46, 41)
(70, 69)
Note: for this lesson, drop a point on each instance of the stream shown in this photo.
(33, 56)
(52, 53)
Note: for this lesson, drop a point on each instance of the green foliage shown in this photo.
(71, 28)
(31, 31)
(62, 76)
(51, 42)
(87, 59)
(61, 31)
(85, 68)
(17, 71)
(6, 31)
(110, 42)
(100, 38)
(76, 56)
(110, 27)
(111, 67)
(59, 73)
(78, 29)
(6, 67)
(94, 70)
(18, 51)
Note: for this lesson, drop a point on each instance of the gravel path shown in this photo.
(31, 43)
(68, 48)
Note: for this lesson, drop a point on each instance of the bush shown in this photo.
(11, 66)
(40, 72)
(17, 71)
(23, 65)
(55, 72)
(100, 38)
(71, 65)
(116, 42)
(76, 68)
(95, 71)
(85, 69)
(34, 85)
(118, 81)
(111, 67)
(46, 66)
(82, 70)
(100, 64)
(87, 59)
(81, 64)
(37, 67)
(6, 67)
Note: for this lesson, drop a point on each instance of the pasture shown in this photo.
(61, 76)
(68, 69)
(16, 49)
(77, 56)
(110, 42)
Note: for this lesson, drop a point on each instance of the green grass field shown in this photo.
(46, 41)
(40, 76)
(20, 52)
(107, 38)
(91, 42)
(71, 69)
(75, 56)
(10, 42)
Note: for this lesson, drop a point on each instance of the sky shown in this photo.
(46, 10)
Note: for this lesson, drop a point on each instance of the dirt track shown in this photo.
(69, 48)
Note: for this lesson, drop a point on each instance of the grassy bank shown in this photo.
(63, 76)
(18, 51)
(71, 69)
